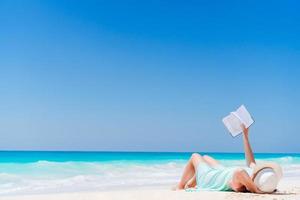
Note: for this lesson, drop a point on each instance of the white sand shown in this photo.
(286, 190)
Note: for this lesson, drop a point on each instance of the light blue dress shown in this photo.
(217, 178)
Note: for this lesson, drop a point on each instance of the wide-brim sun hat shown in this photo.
(266, 176)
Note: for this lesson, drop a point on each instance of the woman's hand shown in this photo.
(191, 183)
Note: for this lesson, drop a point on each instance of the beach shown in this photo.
(121, 175)
(286, 190)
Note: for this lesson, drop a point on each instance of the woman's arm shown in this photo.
(247, 147)
(243, 179)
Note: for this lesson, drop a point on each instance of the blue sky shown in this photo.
(155, 76)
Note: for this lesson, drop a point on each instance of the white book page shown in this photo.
(245, 116)
(233, 124)
(234, 120)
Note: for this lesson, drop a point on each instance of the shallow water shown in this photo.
(47, 172)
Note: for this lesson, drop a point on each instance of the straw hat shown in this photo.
(266, 176)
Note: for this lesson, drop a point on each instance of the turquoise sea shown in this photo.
(23, 172)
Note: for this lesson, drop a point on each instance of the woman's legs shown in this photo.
(190, 170)
(210, 161)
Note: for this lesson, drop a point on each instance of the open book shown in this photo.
(234, 120)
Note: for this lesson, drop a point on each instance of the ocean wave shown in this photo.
(45, 176)
(284, 160)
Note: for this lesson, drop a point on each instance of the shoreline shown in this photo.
(287, 189)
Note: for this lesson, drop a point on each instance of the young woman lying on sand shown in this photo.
(206, 173)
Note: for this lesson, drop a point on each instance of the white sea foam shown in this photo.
(48, 177)
(44, 177)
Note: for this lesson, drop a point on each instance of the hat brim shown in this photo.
(277, 169)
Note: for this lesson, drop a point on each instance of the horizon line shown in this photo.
(99, 151)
